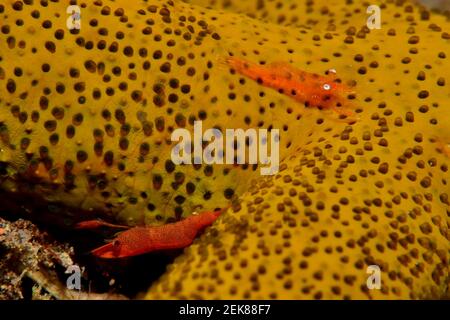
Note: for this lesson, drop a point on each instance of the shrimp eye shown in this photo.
(326, 86)
(116, 244)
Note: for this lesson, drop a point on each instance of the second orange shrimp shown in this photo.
(311, 89)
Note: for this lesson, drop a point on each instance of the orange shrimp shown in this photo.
(140, 240)
(311, 89)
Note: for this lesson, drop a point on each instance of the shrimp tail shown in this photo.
(240, 66)
(225, 62)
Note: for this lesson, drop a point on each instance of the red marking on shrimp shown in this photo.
(140, 240)
(309, 88)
